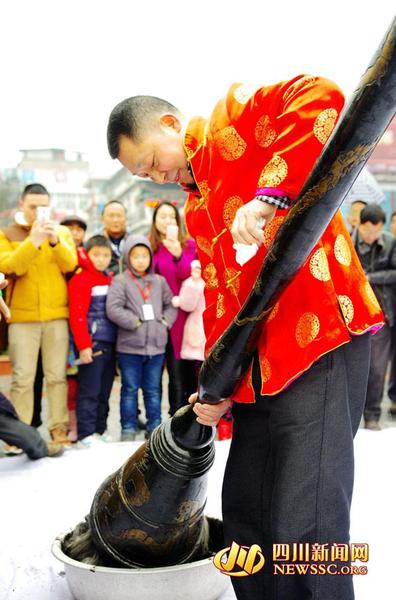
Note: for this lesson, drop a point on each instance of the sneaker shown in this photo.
(128, 436)
(105, 437)
(89, 441)
(372, 425)
(55, 449)
(59, 434)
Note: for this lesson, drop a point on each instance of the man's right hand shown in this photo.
(209, 414)
(38, 234)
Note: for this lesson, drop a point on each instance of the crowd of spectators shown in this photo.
(87, 309)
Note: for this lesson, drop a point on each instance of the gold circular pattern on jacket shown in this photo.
(265, 368)
(273, 173)
(319, 266)
(271, 229)
(209, 275)
(370, 295)
(231, 205)
(231, 279)
(243, 93)
(230, 144)
(203, 187)
(347, 308)
(324, 124)
(264, 132)
(273, 312)
(220, 310)
(204, 245)
(307, 329)
(342, 251)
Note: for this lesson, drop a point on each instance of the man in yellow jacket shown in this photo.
(35, 254)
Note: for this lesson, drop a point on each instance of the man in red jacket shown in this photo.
(94, 335)
(289, 475)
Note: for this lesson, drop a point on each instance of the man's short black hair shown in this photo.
(133, 117)
(359, 202)
(34, 188)
(372, 213)
(113, 202)
(97, 240)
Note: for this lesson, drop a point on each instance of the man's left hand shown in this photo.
(248, 224)
(50, 229)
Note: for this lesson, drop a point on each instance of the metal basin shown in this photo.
(198, 580)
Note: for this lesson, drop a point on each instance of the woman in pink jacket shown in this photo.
(172, 256)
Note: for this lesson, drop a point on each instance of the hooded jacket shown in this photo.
(125, 307)
(87, 304)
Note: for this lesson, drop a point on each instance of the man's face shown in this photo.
(393, 225)
(77, 233)
(100, 257)
(160, 156)
(29, 204)
(369, 232)
(353, 217)
(114, 219)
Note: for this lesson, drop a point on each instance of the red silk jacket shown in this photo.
(269, 139)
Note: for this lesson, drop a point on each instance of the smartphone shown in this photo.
(43, 213)
(172, 232)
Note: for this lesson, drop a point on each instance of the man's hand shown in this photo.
(86, 356)
(49, 227)
(38, 233)
(247, 227)
(174, 247)
(209, 414)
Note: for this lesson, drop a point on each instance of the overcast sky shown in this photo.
(65, 64)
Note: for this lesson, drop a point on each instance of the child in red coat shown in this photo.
(94, 335)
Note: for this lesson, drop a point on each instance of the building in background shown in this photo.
(67, 176)
(139, 196)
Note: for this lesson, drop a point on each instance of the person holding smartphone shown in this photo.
(35, 253)
(173, 253)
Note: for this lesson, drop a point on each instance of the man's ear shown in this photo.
(170, 120)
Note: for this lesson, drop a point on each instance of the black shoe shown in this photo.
(392, 410)
(372, 425)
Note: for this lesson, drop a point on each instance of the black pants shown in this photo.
(380, 354)
(392, 376)
(24, 436)
(289, 475)
(183, 378)
(95, 381)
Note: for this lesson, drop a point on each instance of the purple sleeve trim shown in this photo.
(271, 192)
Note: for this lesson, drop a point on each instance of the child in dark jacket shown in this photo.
(140, 303)
(94, 336)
